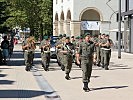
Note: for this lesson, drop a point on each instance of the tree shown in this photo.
(4, 15)
(35, 14)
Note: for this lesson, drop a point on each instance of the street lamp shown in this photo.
(119, 33)
(119, 26)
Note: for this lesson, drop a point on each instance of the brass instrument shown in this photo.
(46, 46)
(31, 43)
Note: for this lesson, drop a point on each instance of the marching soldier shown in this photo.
(86, 50)
(102, 41)
(98, 50)
(62, 58)
(107, 51)
(29, 47)
(76, 50)
(58, 48)
(67, 51)
(45, 53)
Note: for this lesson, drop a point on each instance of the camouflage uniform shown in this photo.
(107, 53)
(28, 54)
(45, 53)
(86, 50)
(68, 57)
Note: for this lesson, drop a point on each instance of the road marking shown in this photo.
(49, 92)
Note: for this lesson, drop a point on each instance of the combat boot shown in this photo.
(27, 68)
(86, 88)
(106, 67)
(67, 76)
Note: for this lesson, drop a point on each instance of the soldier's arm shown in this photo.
(24, 46)
(78, 54)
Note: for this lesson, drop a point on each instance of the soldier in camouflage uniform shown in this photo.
(98, 50)
(45, 53)
(86, 50)
(58, 46)
(102, 41)
(29, 47)
(67, 51)
(107, 51)
(76, 50)
(73, 41)
(62, 58)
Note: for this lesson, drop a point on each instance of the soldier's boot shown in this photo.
(27, 68)
(102, 65)
(98, 64)
(67, 76)
(86, 88)
(106, 67)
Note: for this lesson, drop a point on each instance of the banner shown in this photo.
(90, 25)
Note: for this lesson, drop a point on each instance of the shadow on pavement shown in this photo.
(5, 68)
(111, 87)
(3, 75)
(6, 82)
(22, 93)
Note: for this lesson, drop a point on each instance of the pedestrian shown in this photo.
(101, 42)
(67, 51)
(29, 47)
(58, 46)
(80, 40)
(107, 51)
(86, 51)
(45, 53)
(98, 50)
(5, 49)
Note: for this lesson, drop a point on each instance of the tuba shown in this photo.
(31, 43)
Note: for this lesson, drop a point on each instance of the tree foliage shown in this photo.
(35, 14)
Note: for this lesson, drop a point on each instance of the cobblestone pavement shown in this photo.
(113, 84)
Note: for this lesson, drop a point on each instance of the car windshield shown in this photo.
(53, 40)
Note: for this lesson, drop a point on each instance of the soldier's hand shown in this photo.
(78, 62)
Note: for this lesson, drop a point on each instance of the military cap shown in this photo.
(77, 37)
(64, 35)
(45, 37)
(107, 35)
(60, 35)
(72, 36)
(67, 37)
(99, 34)
(80, 37)
(87, 34)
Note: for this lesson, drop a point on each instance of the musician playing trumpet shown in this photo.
(45, 52)
(29, 47)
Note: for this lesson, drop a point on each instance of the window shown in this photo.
(56, 1)
(117, 35)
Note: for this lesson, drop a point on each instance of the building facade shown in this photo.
(128, 25)
(75, 17)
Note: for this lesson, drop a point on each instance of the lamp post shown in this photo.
(119, 32)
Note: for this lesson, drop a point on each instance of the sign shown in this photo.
(90, 25)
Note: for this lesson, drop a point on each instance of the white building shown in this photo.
(74, 17)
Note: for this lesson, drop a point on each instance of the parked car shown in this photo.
(53, 49)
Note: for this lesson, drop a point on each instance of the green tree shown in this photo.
(35, 14)
(4, 15)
